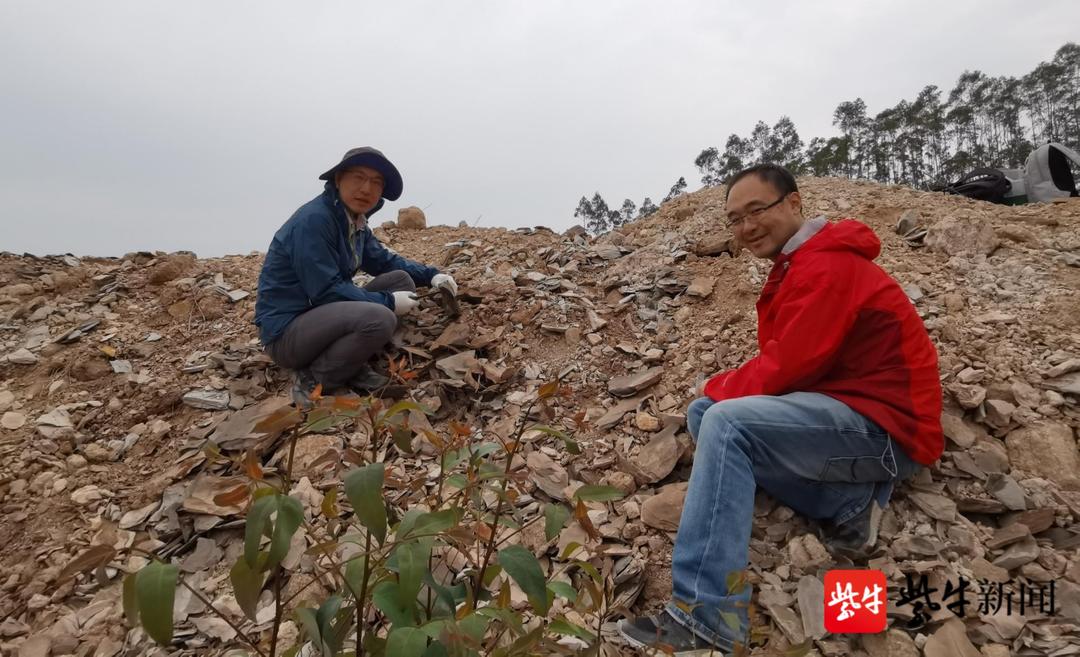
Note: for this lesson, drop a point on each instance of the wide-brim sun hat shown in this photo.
(366, 156)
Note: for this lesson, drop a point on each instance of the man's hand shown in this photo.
(405, 303)
(446, 282)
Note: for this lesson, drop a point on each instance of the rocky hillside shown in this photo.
(116, 375)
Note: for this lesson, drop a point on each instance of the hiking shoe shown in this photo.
(856, 538)
(368, 380)
(303, 384)
(661, 634)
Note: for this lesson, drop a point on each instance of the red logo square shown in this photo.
(855, 601)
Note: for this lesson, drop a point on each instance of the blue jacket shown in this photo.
(311, 262)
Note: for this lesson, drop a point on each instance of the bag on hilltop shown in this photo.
(982, 184)
(1048, 173)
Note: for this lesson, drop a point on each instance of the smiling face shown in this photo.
(760, 217)
(360, 188)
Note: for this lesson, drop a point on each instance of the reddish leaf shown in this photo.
(460, 429)
(346, 403)
(482, 531)
(328, 457)
(283, 418)
(96, 556)
(252, 466)
(548, 390)
(434, 439)
(232, 497)
(579, 421)
(581, 514)
(354, 457)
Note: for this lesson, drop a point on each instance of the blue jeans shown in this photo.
(808, 450)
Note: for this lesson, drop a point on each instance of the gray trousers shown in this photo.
(335, 341)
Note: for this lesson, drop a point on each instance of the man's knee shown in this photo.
(400, 281)
(373, 320)
(403, 282)
(694, 414)
(734, 414)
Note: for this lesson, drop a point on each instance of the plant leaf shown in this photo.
(596, 493)
(522, 565)
(354, 574)
(155, 590)
(322, 424)
(290, 515)
(254, 526)
(551, 431)
(563, 626)
(387, 597)
(406, 642)
(549, 389)
(310, 624)
(363, 487)
(247, 584)
(562, 589)
(581, 514)
(412, 563)
(131, 601)
(325, 618)
(329, 505)
(402, 406)
(232, 497)
(403, 439)
(93, 557)
(283, 418)
(252, 465)
(555, 517)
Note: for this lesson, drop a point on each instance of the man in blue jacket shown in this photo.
(312, 319)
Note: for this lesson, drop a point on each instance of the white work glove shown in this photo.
(445, 281)
(405, 303)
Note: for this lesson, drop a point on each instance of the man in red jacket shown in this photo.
(842, 400)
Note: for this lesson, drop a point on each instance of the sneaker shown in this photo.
(661, 634)
(303, 384)
(368, 380)
(856, 538)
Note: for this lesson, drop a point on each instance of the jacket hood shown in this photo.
(845, 235)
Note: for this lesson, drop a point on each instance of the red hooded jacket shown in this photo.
(831, 321)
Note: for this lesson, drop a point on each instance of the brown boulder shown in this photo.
(1046, 449)
(89, 369)
(411, 218)
(663, 510)
(170, 268)
(953, 236)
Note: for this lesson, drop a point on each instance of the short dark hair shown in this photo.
(774, 174)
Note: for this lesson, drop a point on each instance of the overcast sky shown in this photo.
(141, 125)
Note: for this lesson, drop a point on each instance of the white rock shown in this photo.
(13, 420)
(22, 357)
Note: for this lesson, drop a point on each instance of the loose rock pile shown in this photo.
(115, 375)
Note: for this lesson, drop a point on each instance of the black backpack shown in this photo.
(981, 184)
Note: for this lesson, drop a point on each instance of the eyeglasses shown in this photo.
(364, 179)
(736, 221)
